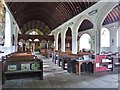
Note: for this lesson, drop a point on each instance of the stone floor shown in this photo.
(55, 77)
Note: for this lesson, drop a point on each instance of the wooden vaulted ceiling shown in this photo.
(34, 24)
(52, 14)
(49, 15)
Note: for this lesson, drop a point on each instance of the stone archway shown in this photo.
(59, 41)
(68, 40)
(111, 17)
(85, 25)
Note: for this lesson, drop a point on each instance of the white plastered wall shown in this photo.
(14, 29)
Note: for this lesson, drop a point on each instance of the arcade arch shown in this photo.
(68, 40)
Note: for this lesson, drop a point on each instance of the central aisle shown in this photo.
(49, 68)
(55, 77)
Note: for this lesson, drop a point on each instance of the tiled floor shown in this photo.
(55, 77)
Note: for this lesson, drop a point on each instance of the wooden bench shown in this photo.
(15, 68)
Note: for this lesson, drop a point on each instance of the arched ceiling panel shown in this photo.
(113, 16)
(85, 25)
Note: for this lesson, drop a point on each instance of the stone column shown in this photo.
(56, 41)
(33, 48)
(113, 39)
(97, 41)
(79, 44)
(118, 39)
(74, 42)
(27, 45)
(63, 42)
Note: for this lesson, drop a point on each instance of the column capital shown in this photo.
(55, 36)
(63, 35)
(74, 33)
(97, 26)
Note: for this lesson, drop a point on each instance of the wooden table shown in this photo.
(80, 62)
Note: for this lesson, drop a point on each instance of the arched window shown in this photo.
(33, 33)
(36, 40)
(105, 37)
(85, 41)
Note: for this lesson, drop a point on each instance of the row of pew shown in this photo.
(96, 63)
(68, 61)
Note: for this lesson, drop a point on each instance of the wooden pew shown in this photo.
(61, 56)
(16, 62)
(72, 64)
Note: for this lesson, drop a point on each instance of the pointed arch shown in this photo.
(68, 40)
(59, 41)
